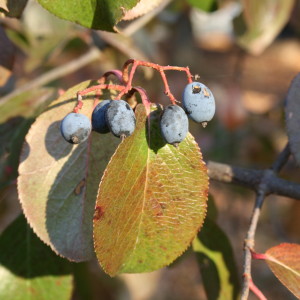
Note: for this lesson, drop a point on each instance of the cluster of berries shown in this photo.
(117, 116)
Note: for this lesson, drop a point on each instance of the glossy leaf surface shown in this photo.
(98, 14)
(284, 261)
(58, 182)
(151, 200)
(29, 269)
(216, 261)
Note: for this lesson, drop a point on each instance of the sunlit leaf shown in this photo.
(261, 22)
(284, 261)
(216, 262)
(292, 117)
(205, 5)
(58, 182)
(29, 269)
(99, 14)
(151, 200)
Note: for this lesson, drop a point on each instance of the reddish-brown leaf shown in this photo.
(284, 261)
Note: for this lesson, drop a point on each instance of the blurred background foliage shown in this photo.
(246, 52)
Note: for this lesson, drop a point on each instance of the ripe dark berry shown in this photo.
(174, 124)
(120, 118)
(75, 128)
(99, 123)
(198, 102)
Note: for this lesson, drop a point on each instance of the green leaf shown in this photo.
(29, 269)
(97, 14)
(12, 8)
(58, 182)
(284, 261)
(292, 117)
(151, 200)
(261, 22)
(205, 5)
(216, 262)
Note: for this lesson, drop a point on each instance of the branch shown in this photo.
(264, 188)
(252, 178)
(70, 67)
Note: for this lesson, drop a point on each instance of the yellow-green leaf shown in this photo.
(216, 261)
(151, 200)
(58, 182)
(284, 261)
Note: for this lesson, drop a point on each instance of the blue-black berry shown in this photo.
(174, 124)
(75, 128)
(99, 123)
(120, 118)
(198, 102)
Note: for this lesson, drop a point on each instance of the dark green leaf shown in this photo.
(216, 262)
(29, 269)
(97, 14)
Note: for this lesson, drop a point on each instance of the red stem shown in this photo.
(128, 77)
(116, 73)
(255, 255)
(256, 291)
(144, 97)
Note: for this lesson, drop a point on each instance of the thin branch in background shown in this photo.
(251, 178)
(70, 67)
(249, 243)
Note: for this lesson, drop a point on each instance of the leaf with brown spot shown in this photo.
(292, 117)
(58, 182)
(152, 198)
(284, 261)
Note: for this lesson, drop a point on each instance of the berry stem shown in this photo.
(116, 73)
(144, 97)
(128, 76)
